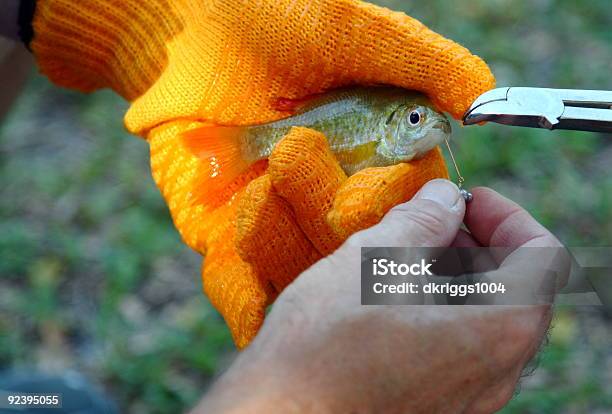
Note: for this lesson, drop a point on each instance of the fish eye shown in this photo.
(414, 118)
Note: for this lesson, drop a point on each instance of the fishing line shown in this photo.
(467, 196)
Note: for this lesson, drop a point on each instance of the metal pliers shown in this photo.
(582, 110)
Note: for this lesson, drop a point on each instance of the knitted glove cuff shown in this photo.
(91, 44)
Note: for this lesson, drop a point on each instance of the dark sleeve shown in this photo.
(26, 14)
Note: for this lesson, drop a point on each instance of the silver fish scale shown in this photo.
(350, 119)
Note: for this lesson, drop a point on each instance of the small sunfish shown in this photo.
(365, 127)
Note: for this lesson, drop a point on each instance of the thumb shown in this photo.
(431, 219)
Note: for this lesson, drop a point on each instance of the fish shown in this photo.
(368, 126)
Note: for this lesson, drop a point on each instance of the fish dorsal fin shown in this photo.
(303, 104)
(219, 148)
(295, 105)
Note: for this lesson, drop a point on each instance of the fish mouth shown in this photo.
(416, 148)
(439, 132)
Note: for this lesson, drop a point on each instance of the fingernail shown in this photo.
(442, 192)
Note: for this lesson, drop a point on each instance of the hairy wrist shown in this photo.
(257, 384)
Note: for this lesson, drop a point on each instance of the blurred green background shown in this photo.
(94, 278)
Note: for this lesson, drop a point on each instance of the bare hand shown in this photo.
(334, 355)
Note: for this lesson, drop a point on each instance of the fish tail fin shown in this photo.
(219, 148)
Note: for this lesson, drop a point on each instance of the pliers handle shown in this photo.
(582, 110)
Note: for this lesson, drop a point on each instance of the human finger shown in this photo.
(363, 199)
(231, 284)
(496, 221)
(431, 219)
(304, 172)
(268, 236)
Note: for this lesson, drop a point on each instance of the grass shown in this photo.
(93, 276)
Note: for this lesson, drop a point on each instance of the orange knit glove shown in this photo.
(301, 210)
(306, 206)
(182, 63)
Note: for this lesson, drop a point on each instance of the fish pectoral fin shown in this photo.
(357, 157)
(219, 148)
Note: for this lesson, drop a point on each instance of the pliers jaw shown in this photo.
(544, 108)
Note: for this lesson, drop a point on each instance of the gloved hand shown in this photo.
(320, 352)
(305, 207)
(183, 63)
(301, 210)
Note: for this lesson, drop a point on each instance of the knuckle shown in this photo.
(428, 217)
(529, 329)
(359, 239)
(496, 398)
(518, 334)
(503, 396)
